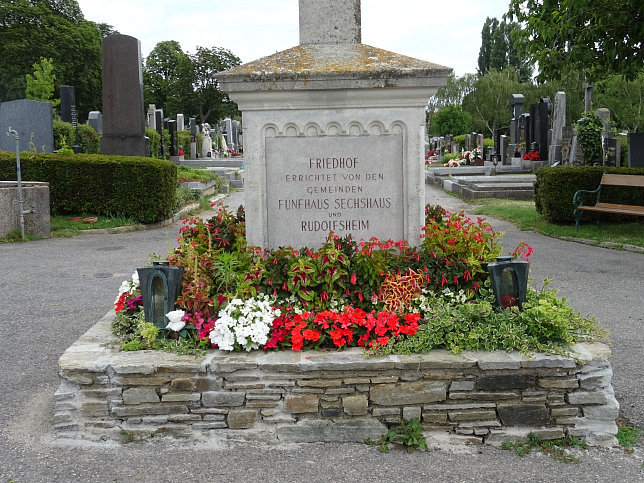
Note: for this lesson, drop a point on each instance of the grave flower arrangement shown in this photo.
(532, 156)
(372, 294)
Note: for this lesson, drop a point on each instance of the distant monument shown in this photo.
(123, 115)
(333, 134)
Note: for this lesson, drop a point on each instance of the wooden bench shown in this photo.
(599, 207)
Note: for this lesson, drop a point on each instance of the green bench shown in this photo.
(614, 208)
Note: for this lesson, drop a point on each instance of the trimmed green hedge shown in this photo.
(554, 189)
(85, 137)
(136, 187)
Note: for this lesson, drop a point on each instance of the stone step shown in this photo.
(236, 162)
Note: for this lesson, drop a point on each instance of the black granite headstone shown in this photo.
(636, 150)
(68, 105)
(172, 128)
(123, 114)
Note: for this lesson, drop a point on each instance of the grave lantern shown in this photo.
(509, 278)
(160, 287)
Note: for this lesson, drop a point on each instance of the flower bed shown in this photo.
(385, 297)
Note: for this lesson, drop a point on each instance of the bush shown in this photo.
(155, 143)
(589, 132)
(88, 139)
(135, 187)
(63, 135)
(554, 189)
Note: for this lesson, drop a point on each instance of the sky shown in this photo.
(444, 32)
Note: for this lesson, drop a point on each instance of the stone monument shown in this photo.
(123, 115)
(333, 134)
(32, 120)
(558, 123)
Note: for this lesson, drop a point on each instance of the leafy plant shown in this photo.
(408, 436)
(589, 131)
(627, 436)
(555, 448)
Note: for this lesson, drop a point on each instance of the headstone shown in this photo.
(497, 141)
(516, 102)
(192, 126)
(540, 127)
(567, 134)
(558, 122)
(123, 125)
(181, 125)
(152, 120)
(504, 142)
(33, 120)
(68, 105)
(334, 150)
(588, 96)
(609, 148)
(158, 122)
(635, 150)
(95, 120)
(172, 129)
(479, 142)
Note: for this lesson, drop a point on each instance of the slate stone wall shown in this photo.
(474, 398)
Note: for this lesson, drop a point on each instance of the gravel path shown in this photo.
(54, 290)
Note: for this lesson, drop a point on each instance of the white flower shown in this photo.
(135, 278)
(175, 323)
(245, 323)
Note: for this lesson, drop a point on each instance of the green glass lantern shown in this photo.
(160, 287)
(509, 278)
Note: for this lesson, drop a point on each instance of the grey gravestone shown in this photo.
(558, 123)
(636, 150)
(588, 96)
(181, 124)
(123, 125)
(33, 120)
(516, 102)
(330, 148)
(152, 120)
(95, 120)
(540, 126)
(503, 141)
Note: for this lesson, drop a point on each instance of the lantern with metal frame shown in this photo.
(509, 279)
(160, 287)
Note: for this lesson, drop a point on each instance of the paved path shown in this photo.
(54, 290)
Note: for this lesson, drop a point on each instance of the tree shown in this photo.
(40, 86)
(596, 37)
(450, 120)
(451, 94)
(488, 102)
(161, 73)
(498, 50)
(53, 29)
(625, 99)
(211, 102)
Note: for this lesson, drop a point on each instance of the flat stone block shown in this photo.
(558, 383)
(241, 418)
(222, 398)
(406, 393)
(520, 414)
(355, 405)
(139, 395)
(183, 397)
(504, 382)
(350, 431)
(472, 415)
(584, 397)
(307, 403)
(148, 409)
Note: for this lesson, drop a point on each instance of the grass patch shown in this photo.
(524, 215)
(15, 236)
(555, 448)
(62, 227)
(201, 174)
(627, 436)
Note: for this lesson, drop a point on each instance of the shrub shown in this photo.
(155, 143)
(589, 132)
(554, 189)
(88, 139)
(135, 187)
(63, 135)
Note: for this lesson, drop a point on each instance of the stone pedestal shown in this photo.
(333, 134)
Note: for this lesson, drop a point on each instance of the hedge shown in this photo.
(555, 187)
(85, 137)
(140, 188)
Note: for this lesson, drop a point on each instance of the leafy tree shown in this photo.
(450, 120)
(53, 29)
(451, 94)
(40, 86)
(211, 102)
(161, 72)
(487, 104)
(596, 37)
(625, 99)
(498, 50)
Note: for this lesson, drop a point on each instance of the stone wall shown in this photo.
(475, 398)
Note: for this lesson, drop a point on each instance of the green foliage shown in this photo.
(627, 436)
(136, 187)
(589, 130)
(40, 86)
(51, 30)
(88, 139)
(555, 448)
(546, 324)
(596, 37)
(63, 135)
(450, 120)
(155, 143)
(498, 51)
(625, 99)
(408, 436)
(554, 189)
